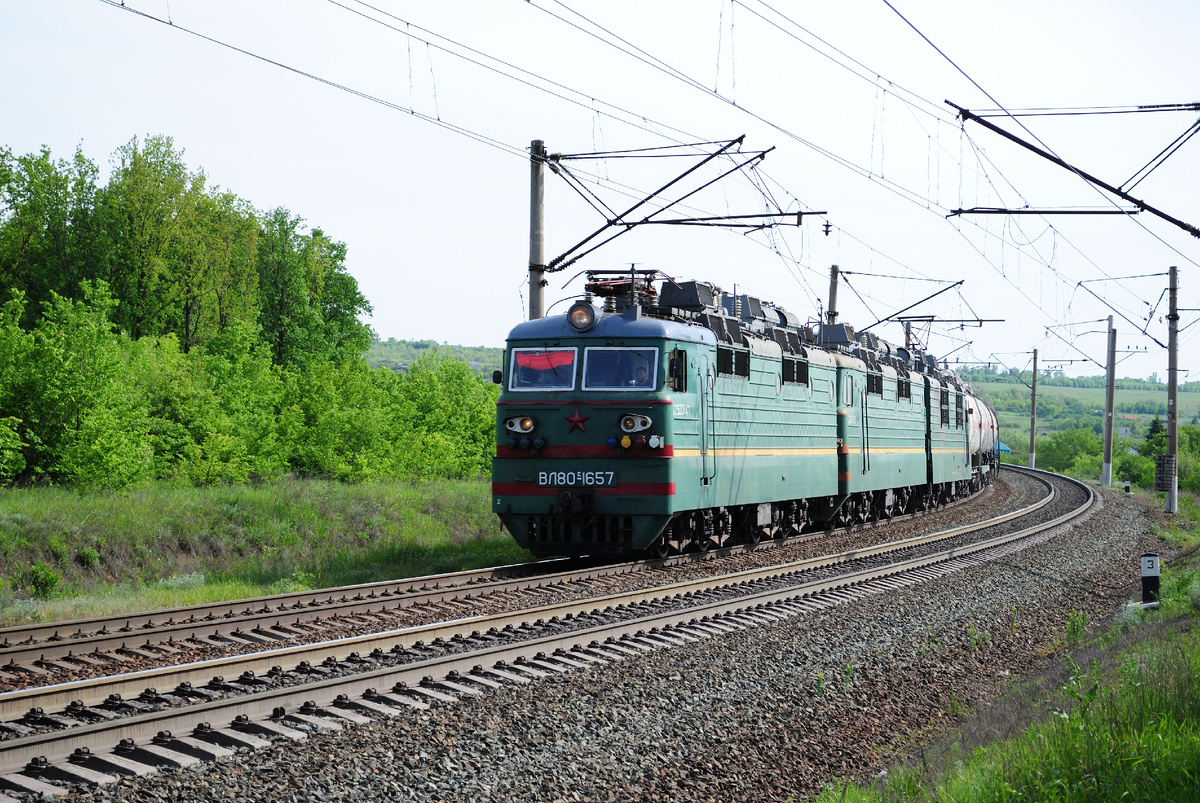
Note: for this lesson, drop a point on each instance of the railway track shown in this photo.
(94, 730)
(53, 652)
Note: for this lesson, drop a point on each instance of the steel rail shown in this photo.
(284, 603)
(92, 691)
(696, 621)
(258, 620)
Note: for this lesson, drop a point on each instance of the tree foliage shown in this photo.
(154, 328)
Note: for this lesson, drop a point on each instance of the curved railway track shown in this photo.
(48, 652)
(91, 731)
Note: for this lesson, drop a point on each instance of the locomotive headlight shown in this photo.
(521, 424)
(582, 316)
(635, 423)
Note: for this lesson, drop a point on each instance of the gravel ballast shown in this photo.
(769, 713)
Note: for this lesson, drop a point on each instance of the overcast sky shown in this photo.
(849, 94)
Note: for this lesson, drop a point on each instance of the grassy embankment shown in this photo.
(65, 554)
(1123, 725)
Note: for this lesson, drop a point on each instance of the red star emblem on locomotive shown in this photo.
(576, 421)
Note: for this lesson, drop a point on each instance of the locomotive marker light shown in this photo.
(1151, 569)
(635, 423)
(522, 424)
(582, 316)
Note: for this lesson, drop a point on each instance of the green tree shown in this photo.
(15, 347)
(216, 278)
(248, 391)
(1060, 451)
(70, 394)
(289, 322)
(1156, 438)
(147, 207)
(49, 240)
(308, 304)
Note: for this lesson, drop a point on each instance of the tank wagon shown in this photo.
(690, 418)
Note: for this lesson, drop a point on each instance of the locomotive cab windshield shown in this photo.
(620, 368)
(542, 369)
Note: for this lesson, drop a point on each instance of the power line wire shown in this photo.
(457, 129)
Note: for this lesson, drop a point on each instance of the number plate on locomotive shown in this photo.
(577, 479)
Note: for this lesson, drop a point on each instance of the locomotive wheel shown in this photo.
(722, 528)
(802, 519)
(694, 535)
(862, 508)
(885, 510)
(672, 541)
(928, 498)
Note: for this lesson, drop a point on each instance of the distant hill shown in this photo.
(399, 354)
(1058, 379)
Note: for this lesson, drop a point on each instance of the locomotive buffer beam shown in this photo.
(571, 505)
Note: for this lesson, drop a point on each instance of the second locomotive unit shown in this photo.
(691, 418)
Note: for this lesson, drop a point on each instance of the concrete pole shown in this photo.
(1033, 415)
(1110, 388)
(831, 313)
(1172, 505)
(537, 256)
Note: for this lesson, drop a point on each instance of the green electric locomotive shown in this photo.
(690, 418)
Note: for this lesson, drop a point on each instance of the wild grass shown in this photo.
(1129, 731)
(1119, 721)
(65, 554)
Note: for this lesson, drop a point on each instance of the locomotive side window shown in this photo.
(944, 405)
(958, 410)
(875, 384)
(903, 388)
(620, 368)
(724, 360)
(735, 362)
(542, 369)
(677, 369)
(795, 372)
(848, 390)
(741, 363)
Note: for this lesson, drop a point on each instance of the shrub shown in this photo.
(40, 580)
(89, 558)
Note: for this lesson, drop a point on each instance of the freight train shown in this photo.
(681, 418)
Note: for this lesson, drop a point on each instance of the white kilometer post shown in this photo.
(1150, 578)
